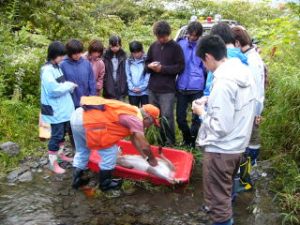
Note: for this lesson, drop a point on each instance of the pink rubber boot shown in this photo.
(54, 164)
(62, 156)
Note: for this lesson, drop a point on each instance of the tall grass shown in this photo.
(18, 123)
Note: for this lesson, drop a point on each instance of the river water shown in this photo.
(49, 199)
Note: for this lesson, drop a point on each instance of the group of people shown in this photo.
(221, 75)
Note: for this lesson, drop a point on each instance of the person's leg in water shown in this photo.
(107, 166)
(82, 153)
(57, 134)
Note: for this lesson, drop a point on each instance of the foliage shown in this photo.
(28, 26)
(18, 124)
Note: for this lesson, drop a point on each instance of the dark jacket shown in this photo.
(81, 73)
(115, 89)
(171, 58)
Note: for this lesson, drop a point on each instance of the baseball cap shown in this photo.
(152, 111)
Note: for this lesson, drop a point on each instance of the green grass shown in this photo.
(19, 123)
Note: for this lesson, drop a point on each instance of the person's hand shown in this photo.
(155, 66)
(136, 90)
(73, 86)
(258, 120)
(198, 109)
(152, 161)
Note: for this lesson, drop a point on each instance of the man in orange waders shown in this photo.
(98, 125)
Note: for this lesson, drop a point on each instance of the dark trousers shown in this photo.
(138, 100)
(58, 132)
(183, 101)
(165, 102)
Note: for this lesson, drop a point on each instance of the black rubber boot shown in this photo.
(77, 178)
(106, 182)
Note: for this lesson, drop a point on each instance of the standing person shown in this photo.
(256, 65)
(94, 54)
(78, 70)
(137, 78)
(56, 104)
(115, 83)
(225, 32)
(190, 83)
(227, 119)
(100, 130)
(164, 62)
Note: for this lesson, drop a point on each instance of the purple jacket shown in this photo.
(193, 76)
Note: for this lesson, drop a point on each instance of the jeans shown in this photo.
(138, 100)
(58, 132)
(108, 155)
(183, 101)
(165, 102)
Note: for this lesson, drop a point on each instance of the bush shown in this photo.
(19, 123)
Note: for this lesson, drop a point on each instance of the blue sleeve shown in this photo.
(145, 82)
(128, 75)
(92, 81)
(52, 87)
(208, 84)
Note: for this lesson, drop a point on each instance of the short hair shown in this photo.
(135, 46)
(74, 46)
(240, 34)
(55, 49)
(114, 41)
(195, 27)
(224, 31)
(161, 28)
(213, 45)
(95, 46)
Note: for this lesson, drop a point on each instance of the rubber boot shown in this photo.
(61, 156)
(106, 182)
(53, 165)
(253, 153)
(78, 180)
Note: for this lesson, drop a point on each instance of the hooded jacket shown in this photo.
(227, 124)
(193, 76)
(115, 89)
(81, 73)
(56, 101)
(231, 53)
(257, 68)
(136, 76)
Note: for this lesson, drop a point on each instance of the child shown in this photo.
(115, 83)
(137, 79)
(94, 54)
(78, 70)
(56, 103)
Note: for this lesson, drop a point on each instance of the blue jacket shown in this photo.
(193, 76)
(56, 101)
(231, 53)
(81, 73)
(136, 76)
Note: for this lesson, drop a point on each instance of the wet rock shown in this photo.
(10, 148)
(14, 175)
(25, 177)
(43, 161)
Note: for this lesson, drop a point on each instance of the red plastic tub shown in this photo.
(183, 162)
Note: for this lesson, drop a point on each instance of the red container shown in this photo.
(183, 162)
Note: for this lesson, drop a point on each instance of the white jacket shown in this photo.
(256, 66)
(227, 124)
